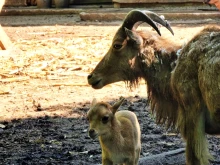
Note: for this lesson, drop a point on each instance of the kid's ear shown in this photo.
(117, 105)
(94, 101)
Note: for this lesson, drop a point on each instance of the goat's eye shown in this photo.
(105, 119)
(117, 46)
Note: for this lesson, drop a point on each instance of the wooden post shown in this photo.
(5, 42)
(117, 5)
(2, 2)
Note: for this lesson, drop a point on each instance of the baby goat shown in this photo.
(119, 133)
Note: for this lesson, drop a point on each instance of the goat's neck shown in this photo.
(157, 73)
(157, 69)
(156, 58)
(114, 137)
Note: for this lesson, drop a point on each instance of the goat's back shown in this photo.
(196, 77)
(129, 124)
(209, 69)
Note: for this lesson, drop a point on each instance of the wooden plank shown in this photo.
(2, 2)
(155, 1)
(15, 2)
(171, 157)
(175, 157)
(80, 2)
(151, 3)
(117, 5)
(5, 42)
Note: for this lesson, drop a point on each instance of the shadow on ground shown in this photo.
(64, 140)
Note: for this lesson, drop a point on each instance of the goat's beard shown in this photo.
(132, 83)
(135, 73)
(132, 79)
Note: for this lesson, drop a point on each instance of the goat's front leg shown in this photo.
(137, 155)
(212, 124)
(130, 163)
(106, 161)
(196, 145)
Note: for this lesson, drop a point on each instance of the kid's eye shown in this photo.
(105, 119)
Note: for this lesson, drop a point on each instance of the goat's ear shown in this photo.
(117, 105)
(94, 101)
(132, 35)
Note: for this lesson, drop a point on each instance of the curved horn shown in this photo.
(136, 17)
(159, 20)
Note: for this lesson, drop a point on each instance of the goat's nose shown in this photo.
(91, 131)
(89, 76)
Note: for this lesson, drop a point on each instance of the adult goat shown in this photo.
(184, 91)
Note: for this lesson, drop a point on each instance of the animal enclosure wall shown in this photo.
(71, 2)
(78, 2)
(147, 3)
(155, 1)
(15, 2)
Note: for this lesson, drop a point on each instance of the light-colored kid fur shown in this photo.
(119, 135)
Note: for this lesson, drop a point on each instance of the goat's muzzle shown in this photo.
(94, 81)
(92, 134)
(89, 76)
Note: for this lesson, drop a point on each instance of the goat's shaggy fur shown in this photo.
(157, 62)
(195, 84)
(188, 96)
(184, 90)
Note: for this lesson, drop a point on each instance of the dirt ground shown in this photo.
(45, 95)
